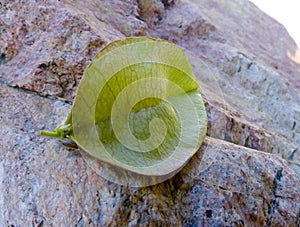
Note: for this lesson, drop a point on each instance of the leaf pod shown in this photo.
(138, 113)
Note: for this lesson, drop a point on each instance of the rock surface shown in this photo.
(247, 172)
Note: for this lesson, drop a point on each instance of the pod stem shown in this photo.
(54, 134)
(62, 131)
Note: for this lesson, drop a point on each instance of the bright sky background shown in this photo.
(287, 12)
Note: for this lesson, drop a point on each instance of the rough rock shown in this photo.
(247, 172)
(223, 184)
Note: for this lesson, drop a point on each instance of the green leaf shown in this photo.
(138, 108)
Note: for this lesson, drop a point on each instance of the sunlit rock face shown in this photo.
(247, 172)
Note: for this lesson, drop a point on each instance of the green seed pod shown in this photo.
(138, 112)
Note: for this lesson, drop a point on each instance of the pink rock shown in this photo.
(247, 172)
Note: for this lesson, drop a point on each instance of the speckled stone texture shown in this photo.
(247, 172)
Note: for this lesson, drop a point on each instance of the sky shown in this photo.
(287, 12)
